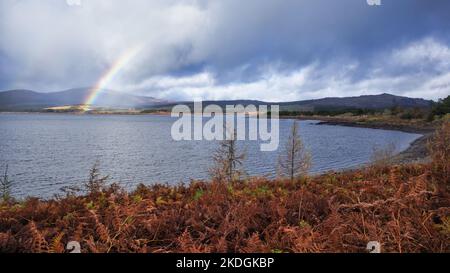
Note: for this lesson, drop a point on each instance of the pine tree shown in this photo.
(5, 186)
(295, 160)
(228, 161)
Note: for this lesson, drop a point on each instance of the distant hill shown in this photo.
(372, 102)
(22, 100)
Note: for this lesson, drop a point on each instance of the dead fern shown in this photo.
(36, 241)
(56, 245)
(405, 208)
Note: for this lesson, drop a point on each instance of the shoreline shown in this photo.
(381, 126)
(417, 151)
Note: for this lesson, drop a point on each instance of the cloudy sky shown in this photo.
(231, 49)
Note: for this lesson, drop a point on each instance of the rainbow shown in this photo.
(117, 66)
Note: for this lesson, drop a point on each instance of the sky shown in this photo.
(271, 50)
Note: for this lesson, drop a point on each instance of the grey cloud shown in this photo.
(229, 49)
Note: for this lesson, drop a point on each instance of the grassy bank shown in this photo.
(377, 122)
(404, 207)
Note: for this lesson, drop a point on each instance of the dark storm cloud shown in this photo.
(300, 32)
(271, 50)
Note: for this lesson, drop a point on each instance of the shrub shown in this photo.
(442, 107)
(383, 156)
(228, 160)
(96, 183)
(439, 148)
(295, 160)
(6, 186)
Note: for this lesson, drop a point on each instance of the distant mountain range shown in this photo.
(27, 100)
(382, 101)
(23, 100)
(372, 102)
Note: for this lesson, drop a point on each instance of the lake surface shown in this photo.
(46, 152)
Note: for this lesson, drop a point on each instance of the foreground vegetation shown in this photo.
(405, 207)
